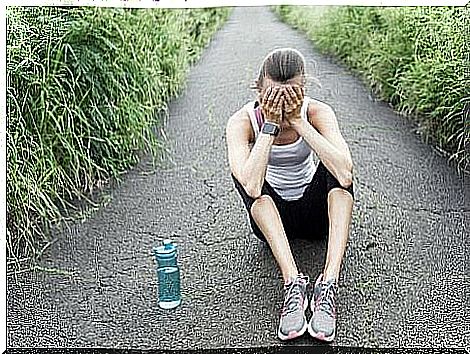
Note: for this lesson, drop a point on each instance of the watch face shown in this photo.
(270, 129)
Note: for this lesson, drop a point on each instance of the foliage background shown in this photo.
(85, 90)
(416, 58)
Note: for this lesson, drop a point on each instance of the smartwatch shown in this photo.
(270, 128)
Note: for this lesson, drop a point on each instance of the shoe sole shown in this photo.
(320, 335)
(295, 334)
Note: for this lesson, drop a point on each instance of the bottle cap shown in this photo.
(168, 248)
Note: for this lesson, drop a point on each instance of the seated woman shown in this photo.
(271, 142)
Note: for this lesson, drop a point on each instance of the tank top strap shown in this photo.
(259, 117)
(304, 109)
(254, 111)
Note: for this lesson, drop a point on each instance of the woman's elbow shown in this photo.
(346, 177)
(346, 180)
(253, 191)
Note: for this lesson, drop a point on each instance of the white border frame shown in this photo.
(223, 3)
(3, 182)
(132, 4)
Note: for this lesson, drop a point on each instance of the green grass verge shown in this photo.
(85, 89)
(416, 58)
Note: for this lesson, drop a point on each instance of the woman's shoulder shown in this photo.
(240, 122)
(315, 104)
(243, 113)
(319, 110)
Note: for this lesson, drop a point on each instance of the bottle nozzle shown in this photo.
(167, 243)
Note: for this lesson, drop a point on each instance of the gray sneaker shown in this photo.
(293, 322)
(322, 326)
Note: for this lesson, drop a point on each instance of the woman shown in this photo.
(271, 143)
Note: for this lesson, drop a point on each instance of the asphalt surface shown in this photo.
(405, 277)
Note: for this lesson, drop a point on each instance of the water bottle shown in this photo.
(169, 295)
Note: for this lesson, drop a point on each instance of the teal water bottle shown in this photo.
(169, 293)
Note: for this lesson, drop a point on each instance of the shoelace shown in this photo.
(294, 296)
(326, 300)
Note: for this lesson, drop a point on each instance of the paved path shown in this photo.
(405, 279)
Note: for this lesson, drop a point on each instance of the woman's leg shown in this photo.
(340, 204)
(336, 210)
(293, 322)
(267, 224)
(267, 218)
(328, 209)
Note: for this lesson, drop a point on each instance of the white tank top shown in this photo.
(290, 167)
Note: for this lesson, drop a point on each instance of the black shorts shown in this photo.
(306, 217)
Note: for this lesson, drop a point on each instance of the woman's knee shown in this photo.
(345, 180)
(332, 183)
(261, 202)
(347, 192)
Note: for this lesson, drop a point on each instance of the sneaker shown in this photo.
(322, 326)
(293, 322)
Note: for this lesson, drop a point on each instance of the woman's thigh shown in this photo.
(311, 211)
(249, 201)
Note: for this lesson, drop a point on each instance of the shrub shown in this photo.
(414, 57)
(84, 92)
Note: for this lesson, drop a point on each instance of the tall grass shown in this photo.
(85, 89)
(417, 58)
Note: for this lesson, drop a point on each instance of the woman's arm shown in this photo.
(248, 167)
(327, 142)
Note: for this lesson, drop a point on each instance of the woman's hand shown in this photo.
(272, 103)
(293, 101)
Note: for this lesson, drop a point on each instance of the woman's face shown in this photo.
(268, 82)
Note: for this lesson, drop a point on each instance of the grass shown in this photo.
(416, 58)
(86, 88)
